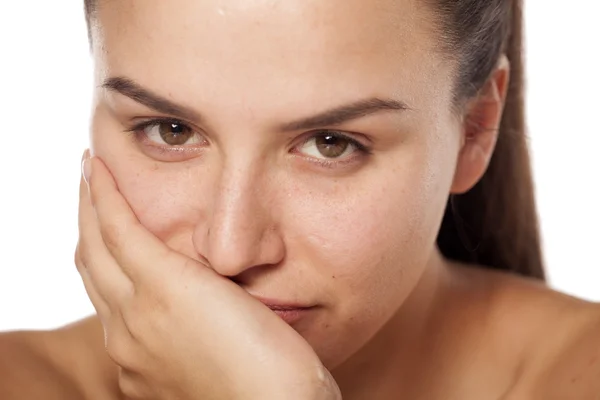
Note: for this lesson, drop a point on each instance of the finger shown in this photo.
(99, 303)
(138, 252)
(110, 282)
(134, 385)
(125, 350)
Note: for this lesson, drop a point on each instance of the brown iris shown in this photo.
(174, 134)
(331, 146)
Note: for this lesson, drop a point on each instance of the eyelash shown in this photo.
(138, 131)
(360, 149)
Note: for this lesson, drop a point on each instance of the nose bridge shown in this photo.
(236, 201)
(240, 228)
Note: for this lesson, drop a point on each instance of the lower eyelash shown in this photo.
(138, 131)
(331, 164)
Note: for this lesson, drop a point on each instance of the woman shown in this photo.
(309, 200)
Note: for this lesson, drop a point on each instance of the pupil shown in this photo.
(331, 146)
(174, 134)
(329, 139)
(177, 129)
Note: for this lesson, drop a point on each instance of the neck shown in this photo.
(394, 358)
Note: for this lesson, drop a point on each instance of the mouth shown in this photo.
(292, 316)
(287, 311)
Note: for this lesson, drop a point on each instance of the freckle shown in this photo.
(594, 360)
(333, 276)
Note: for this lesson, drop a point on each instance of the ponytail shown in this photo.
(495, 224)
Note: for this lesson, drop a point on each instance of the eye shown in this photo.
(330, 146)
(171, 133)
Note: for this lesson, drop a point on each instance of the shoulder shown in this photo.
(26, 370)
(568, 364)
(51, 364)
(557, 336)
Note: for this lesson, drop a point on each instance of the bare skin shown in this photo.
(252, 197)
(531, 343)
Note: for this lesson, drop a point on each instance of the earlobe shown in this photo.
(480, 129)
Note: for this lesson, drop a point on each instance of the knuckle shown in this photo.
(132, 385)
(119, 349)
(77, 258)
(134, 328)
(145, 319)
(80, 264)
(134, 323)
(82, 251)
(112, 234)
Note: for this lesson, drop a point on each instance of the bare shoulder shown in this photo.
(28, 371)
(558, 338)
(61, 364)
(568, 365)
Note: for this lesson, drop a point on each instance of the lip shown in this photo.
(292, 316)
(290, 312)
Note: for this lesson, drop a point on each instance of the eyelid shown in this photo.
(361, 148)
(153, 121)
(150, 121)
(138, 130)
(339, 134)
(361, 151)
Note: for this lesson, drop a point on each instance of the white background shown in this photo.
(45, 92)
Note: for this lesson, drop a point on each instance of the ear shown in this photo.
(480, 129)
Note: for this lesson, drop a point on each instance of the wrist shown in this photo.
(327, 388)
(320, 386)
(315, 384)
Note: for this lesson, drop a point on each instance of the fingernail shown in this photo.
(86, 166)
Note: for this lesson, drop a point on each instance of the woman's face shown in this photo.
(303, 148)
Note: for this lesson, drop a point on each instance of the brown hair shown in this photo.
(89, 8)
(494, 224)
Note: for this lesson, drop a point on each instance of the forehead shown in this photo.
(261, 49)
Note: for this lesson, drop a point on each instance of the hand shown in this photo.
(176, 328)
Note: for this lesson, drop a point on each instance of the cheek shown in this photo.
(354, 229)
(163, 196)
(161, 200)
(163, 203)
(368, 242)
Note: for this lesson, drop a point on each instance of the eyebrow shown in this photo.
(346, 113)
(332, 117)
(138, 93)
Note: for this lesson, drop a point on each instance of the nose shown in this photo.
(240, 231)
